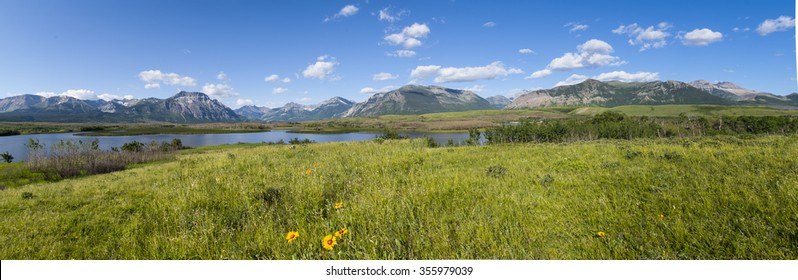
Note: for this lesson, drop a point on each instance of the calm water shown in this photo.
(16, 144)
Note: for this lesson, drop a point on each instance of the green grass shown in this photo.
(720, 198)
(712, 111)
(16, 174)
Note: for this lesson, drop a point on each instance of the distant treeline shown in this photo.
(8, 132)
(615, 125)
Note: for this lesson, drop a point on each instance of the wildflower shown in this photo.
(600, 234)
(341, 232)
(307, 172)
(328, 242)
(339, 205)
(661, 216)
(292, 235)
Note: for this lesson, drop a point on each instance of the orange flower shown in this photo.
(328, 242)
(291, 236)
(341, 232)
(307, 172)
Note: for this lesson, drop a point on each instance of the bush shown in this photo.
(27, 195)
(391, 134)
(496, 171)
(7, 157)
(134, 146)
(430, 142)
(296, 141)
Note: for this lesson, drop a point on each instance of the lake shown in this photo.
(16, 144)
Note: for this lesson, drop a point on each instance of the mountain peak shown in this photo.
(190, 94)
(728, 85)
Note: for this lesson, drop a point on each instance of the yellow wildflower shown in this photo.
(328, 242)
(661, 216)
(291, 236)
(307, 172)
(339, 205)
(601, 234)
(341, 232)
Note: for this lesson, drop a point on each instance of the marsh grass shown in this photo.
(695, 198)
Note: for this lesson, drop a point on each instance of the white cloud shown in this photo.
(701, 37)
(539, 74)
(650, 37)
(109, 97)
(475, 88)
(322, 69)
(271, 78)
(83, 94)
(384, 76)
(422, 72)
(401, 53)
(305, 99)
(385, 15)
(152, 77)
(774, 25)
(276, 78)
(279, 90)
(221, 76)
(219, 90)
(346, 11)
(575, 26)
(526, 51)
(155, 85)
(612, 76)
(593, 53)
(463, 74)
(489, 24)
(628, 77)
(572, 80)
(410, 35)
(243, 102)
(46, 94)
(369, 90)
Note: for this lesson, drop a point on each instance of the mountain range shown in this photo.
(196, 107)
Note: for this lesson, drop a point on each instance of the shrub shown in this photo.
(27, 195)
(430, 142)
(497, 171)
(391, 134)
(473, 136)
(296, 141)
(270, 196)
(7, 157)
(134, 146)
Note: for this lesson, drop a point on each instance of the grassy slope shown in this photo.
(720, 198)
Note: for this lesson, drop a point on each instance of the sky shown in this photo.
(268, 53)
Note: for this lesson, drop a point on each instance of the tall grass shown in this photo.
(66, 159)
(719, 197)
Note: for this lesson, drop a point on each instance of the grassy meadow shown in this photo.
(717, 197)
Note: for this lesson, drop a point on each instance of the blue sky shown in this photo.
(273, 52)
